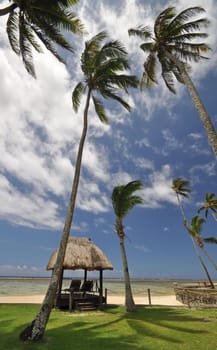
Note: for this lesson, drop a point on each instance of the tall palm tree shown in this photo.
(195, 230)
(123, 201)
(102, 62)
(30, 20)
(181, 188)
(210, 203)
(171, 45)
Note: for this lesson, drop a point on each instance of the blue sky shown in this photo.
(160, 140)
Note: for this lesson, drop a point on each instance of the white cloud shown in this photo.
(158, 190)
(39, 132)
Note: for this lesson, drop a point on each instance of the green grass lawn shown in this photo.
(148, 328)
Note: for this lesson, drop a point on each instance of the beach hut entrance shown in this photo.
(81, 253)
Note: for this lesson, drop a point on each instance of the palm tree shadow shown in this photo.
(154, 323)
(163, 318)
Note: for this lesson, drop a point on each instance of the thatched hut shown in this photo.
(82, 253)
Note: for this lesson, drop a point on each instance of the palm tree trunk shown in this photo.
(195, 244)
(209, 257)
(204, 116)
(8, 9)
(129, 302)
(36, 329)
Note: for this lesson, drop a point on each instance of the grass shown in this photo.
(148, 328)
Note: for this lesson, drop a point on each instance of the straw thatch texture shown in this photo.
(81, 253)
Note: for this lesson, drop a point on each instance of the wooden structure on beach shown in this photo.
(197, 295)
(81, 253)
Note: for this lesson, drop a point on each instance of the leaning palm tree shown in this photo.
(123, 200)
(174, 43)
(210, 203)
(181, 188)
(195, 230)
(30, 20)
(102, 63)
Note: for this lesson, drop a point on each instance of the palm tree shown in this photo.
(171, 45)
(195, 230)
(123, 200)
(101, 65)
(29, 20)
(181, 188)
(210, 203)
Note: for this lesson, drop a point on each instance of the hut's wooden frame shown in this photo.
(81, 254)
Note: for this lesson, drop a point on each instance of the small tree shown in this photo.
(123, 201)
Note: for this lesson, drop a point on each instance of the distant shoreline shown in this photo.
(118, 279)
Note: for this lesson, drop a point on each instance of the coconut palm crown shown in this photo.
(30, 20)
(102, 65)
(210, 203)
(181, 187)
(123, 200)
(174, 42)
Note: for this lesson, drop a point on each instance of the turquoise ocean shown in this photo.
(35, 286)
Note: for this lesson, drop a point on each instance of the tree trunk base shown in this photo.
(31, 333)
(35, 331)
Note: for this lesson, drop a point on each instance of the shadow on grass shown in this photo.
(130, 330)
(110, 329)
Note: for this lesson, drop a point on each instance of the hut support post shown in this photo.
(85, 274)
(100, 287)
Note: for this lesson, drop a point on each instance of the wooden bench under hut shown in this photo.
(81, 253)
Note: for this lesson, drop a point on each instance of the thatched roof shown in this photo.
(81, 253)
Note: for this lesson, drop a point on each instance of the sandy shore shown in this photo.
(168, 300)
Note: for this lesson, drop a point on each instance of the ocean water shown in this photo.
(34, 286)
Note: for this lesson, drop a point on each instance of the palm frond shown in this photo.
(48, 44)
(209, 204)
(190, 52)
(145, 82)
(67, 2)
(150, 67)
(190, 26)
(109, 94)
(53, 33)
(25, 47)
(77, 94)
(114, 48)
(169, 81)
(100, 111)
(187, 37)
(110, 66)
(147, 47)
(211, 240)
(141, 31)
(123, 198)
(12, 31)
(185, 15)
(118, 81)
(181, 187)
(163, 20)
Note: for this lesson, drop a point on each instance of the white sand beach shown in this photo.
(167, 300)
